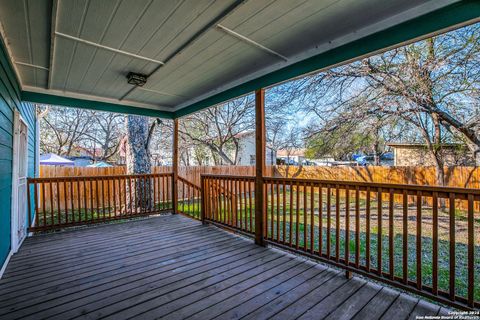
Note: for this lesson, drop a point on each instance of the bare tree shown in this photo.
(432, 85)
(217, 127)
(61, 129)
(109, 130)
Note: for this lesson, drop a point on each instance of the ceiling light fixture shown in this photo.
(136, 79)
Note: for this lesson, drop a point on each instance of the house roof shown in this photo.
(421, 145)
(51, 159)
(100, 164)
(291, 153)
(245, 133)
(198, 53)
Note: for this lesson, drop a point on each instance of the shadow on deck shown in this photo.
(176, 268)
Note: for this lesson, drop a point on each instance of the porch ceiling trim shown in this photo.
(435, 22)
(45, 98)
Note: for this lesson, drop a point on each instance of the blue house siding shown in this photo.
(10, 101)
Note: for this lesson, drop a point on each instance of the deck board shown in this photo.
(173, 267)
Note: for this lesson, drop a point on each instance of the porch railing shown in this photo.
(68, 201)
(229, 201)
(189, 198)
(418, 238)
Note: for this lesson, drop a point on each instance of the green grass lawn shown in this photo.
(95, 214)
(443, 254)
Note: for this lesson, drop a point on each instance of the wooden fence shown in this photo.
(192, 174)
(462, 177)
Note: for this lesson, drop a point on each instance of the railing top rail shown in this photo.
(411, 187)
(189, 183)
(228, 176)
(375, 185)
(75, 178)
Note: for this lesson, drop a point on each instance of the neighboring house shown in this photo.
(293, 157)
(161, 158)
(386, 159)
(78, 151)
(81, 161)
(417, 154)
(84, 156)
(246, 150)
(19, 159)
(52, 159)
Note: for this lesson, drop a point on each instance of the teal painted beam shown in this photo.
(443, 18)
(94, 105)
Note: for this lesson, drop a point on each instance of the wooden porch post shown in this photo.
(259, 165)
(175, 166)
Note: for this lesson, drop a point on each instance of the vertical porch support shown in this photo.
(175, 166)
(259, 165)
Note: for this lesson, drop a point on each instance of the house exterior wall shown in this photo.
(295, 159)
(9, 102)
(418, 156)
(246, 152)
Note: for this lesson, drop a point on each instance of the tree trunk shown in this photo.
(437, 150)
(138, 162)
(439, 173)
(475, 150)
(376, 146)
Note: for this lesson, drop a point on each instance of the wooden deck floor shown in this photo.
(175, 268)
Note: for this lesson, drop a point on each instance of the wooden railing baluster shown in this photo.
(272, 216)
(66, 200)
(92, 197)
(452, 246)
(278, 210)
(51, 204)
(405, 237)
(337, 223)
(347, 225)
(391, 235)
(320, 220)
(312, 219)
(284, 212)
(297, 219)
(290, 241)
(44, 196)
(470, 253)
(329, 220)
(367, 234)
(58, 198)
(357, 227)
(72, 202)
(419, 240)
(305, 217)
(36, 206)
(250, 191)
(435, 243)
(379, 232)
(29, 205)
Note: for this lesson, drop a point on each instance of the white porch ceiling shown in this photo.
(85, 48)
